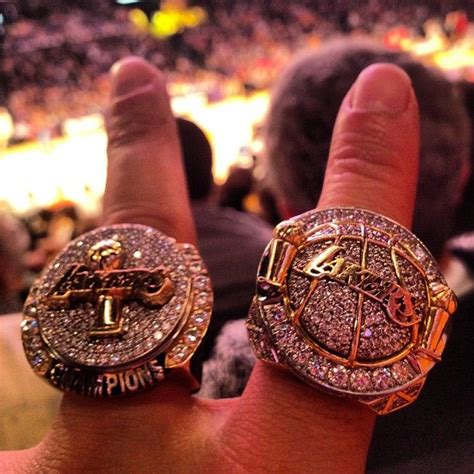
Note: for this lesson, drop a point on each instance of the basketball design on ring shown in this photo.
(353, 303)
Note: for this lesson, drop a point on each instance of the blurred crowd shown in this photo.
(55, 67)
(27, 244)
(246, 44)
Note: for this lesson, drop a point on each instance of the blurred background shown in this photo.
(220, 58)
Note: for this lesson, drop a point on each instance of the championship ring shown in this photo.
(352, 303)
(116, 311)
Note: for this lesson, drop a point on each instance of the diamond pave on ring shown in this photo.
(116, 310)
(352, 303)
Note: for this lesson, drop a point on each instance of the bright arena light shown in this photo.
(73, 168)
(37, 175)
(229, 127)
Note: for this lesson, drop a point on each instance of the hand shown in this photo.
(279, 424)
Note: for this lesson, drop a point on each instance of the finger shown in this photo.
(145, 183)
(373, 164)
(373, 160)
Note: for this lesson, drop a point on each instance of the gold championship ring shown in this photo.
(353, 304)
(117, 310)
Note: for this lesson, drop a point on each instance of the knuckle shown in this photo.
(367, 150)
(134, 120)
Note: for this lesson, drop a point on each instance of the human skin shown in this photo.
(279, 424)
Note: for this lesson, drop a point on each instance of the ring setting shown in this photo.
(116, 311)
(353, 304)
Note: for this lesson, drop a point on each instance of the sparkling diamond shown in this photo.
(319, 370)
(158, 335)
(31, 311)
(201, 282)
(166, 326)
(150, 344)
(419, 252)
(382, 379)
(401, 372)
(199, 318)
(191, 335)
(180, 352)
(361, 381)
(338, 376)
(30, 326)
(278, 316)
(201, 299)
(39, 359)
(34, 343)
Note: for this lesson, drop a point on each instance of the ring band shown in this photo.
(116, 311)
(352, 303)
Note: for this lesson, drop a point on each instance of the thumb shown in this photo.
(373, 161)
(373, 164)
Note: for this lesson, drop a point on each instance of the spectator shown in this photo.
(236, 188)
(309, 93)
(56, 56)
(230, 242)
(438, 428)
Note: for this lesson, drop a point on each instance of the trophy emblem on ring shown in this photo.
(107, 285)
(116, 311)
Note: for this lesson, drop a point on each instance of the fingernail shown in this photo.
(381, 88)
(129, 75)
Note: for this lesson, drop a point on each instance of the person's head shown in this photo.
(303, 110)
(197, 157)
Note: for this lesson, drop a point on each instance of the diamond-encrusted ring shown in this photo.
(116, 310)
(353, 304)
